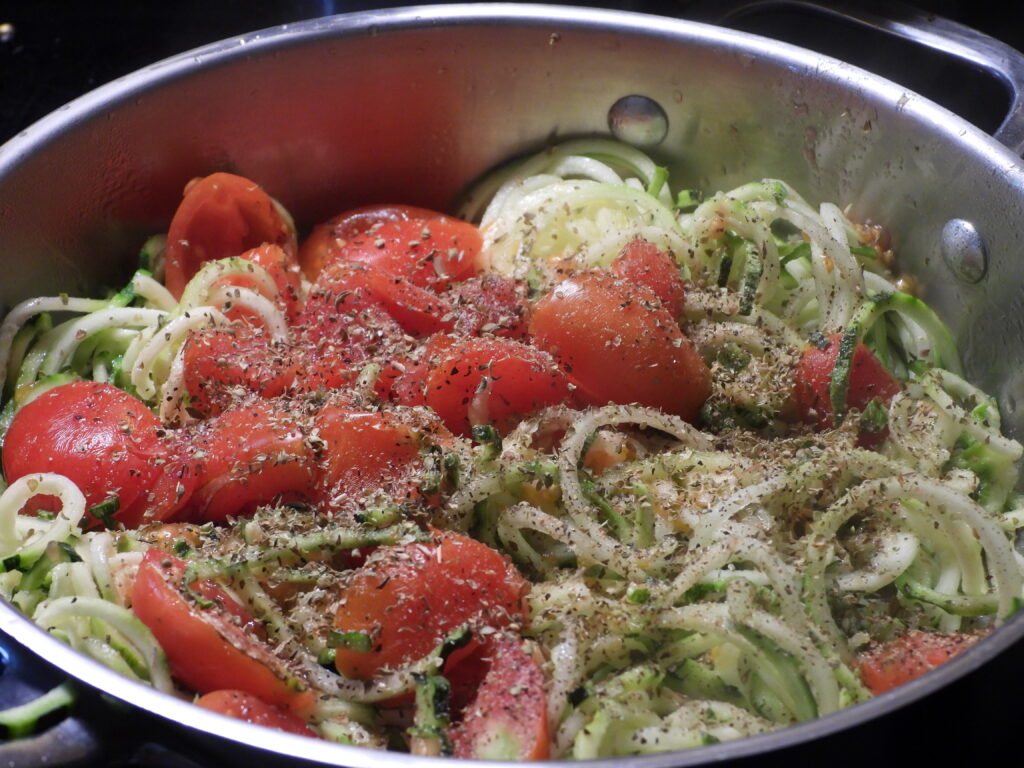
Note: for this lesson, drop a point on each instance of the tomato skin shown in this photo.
(99, 437)
(644, 263)
(318, 248)
(907, 657)
(344, 284)
(220, 361)
(429, 253)
(408, 597)
(869, 380)
(252, 709)
(281, 267)
(489, 304)
(357, 235)
(206, 647)
(619, 344)
(366, 451)
(408, 387)
(222, 215)
(250, 455)
(491, 381)
(509, 708)
(340, 329)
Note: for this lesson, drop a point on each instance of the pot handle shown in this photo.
(928, 30)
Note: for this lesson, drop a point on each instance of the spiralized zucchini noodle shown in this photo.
(691, 583)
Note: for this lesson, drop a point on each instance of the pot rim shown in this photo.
(91, 106)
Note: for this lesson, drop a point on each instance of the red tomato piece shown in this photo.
(252, 709)
(340, 330)
(408, 386)
(408, 597)
(489, 304)
(104, 440)
(430, 254)
(619, 344)
(448, 252)
(507, 718)
(209, 648)
(869, 380)
(344, 285)
(491, 381)
(222, 215)
(391, 373)
(907, 657)
(369, 451)
(284, 271)
(222, 363)
(326, 238)
(644, 263)
(250, 455)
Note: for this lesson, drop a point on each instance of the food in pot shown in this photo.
(595, 468)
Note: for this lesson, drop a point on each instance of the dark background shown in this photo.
(52, 52)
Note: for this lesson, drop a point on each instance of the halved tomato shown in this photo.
(104, 440)
(909, 656)
(210, 647)
(618, 343)
(868, 380)
(507, 718)
(407, 598)
(318, 249)
(418, 311)
(253, 709)
(644, 263)
(427, 247)
(494, 305)
(493, 381)
(365, 452)
(222, 215)
(222, 365)
(250, 455)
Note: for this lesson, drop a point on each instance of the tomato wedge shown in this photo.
(318, 248)
(429, 253)
(281, 266)
(222, 363)
(490, 304)
(644, 263)
(368, 452)
(425, 246)
(868, 380)
(495, 381)
(211, 648)
(250, 455)
(419, 312)
(99, 437)
(252, 709)
(222, 215)
(407, 598)
(909, 656)
(507, 718)
(619, 344)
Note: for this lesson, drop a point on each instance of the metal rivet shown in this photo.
(638, 120)
(963, 250)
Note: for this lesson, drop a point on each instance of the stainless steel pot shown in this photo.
(410, 104)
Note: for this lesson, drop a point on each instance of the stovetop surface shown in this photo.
(52, 51)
